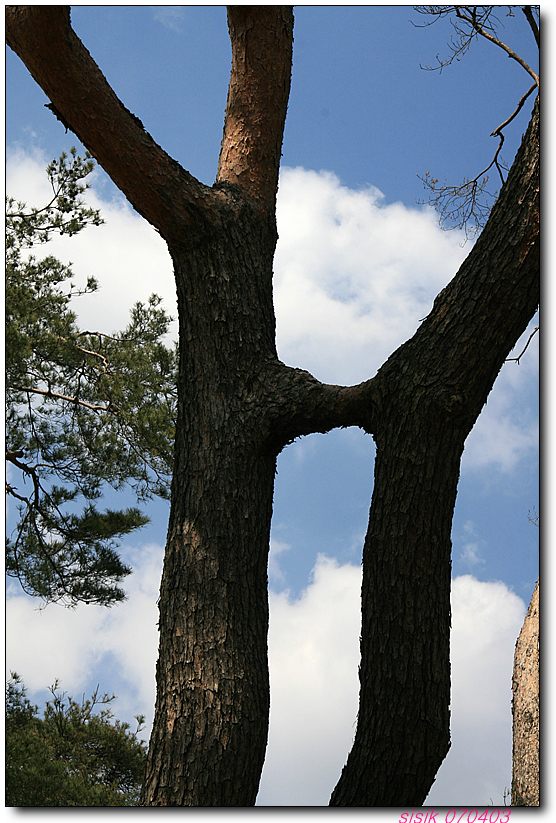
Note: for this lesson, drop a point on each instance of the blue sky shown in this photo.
(358, 264)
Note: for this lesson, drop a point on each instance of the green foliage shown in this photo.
(71, 756)
(83, 409)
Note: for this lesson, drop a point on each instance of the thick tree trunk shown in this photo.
(525, 710)
(210, 730)
(429, 394)
(239, 406)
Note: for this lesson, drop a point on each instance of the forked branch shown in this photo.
(518, 358)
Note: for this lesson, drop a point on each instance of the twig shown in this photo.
(497, 132)
(510, 52)
(517, 359)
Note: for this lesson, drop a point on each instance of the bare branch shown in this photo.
(527, 11)
(468, 201)
(482, 30)
(497, 132)
(471, 200)
(517, 359)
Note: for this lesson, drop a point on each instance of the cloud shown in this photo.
(125, 254)
(314, 658)
(507, 430)
(116, 648)
(487, 619)
(354, 276)
(472, 548)
(275, 573)
(170, 16)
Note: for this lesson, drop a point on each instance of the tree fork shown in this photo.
(238, 406)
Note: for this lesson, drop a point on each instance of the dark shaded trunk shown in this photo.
(210, 731)
(428, 395)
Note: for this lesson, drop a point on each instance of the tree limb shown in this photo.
(110, 407)
(532, 22)
(155, 184)
(472, 21)
(261, 38)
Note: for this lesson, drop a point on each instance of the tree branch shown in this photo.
(155, 184)
(498, 131)
(517, 359)
(532, 22)
(110, 407)
(472, 21)
(262, 40)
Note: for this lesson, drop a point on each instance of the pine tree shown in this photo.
(83, 409)
(72, 755)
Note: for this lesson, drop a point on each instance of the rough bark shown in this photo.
(525, 710)
(239, 406)
(429, 394)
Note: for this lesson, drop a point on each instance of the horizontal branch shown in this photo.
(298, 404)
(110, 407)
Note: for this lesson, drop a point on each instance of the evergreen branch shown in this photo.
(110, 407)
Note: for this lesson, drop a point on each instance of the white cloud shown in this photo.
(353, 276)
(92, 643)
(275, 573)
(487, 619)
(170, 16)
(125, 254)
(471, 553)
(507, 430)
(314, 657)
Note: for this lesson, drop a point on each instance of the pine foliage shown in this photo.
(83, 409)
(73, 755)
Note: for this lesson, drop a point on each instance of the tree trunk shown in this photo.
(430, 393)
(525, 710)
(210, 730)
(239, 406)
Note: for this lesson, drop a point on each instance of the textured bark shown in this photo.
(525, 710)
(428, 395)
(239, 406)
